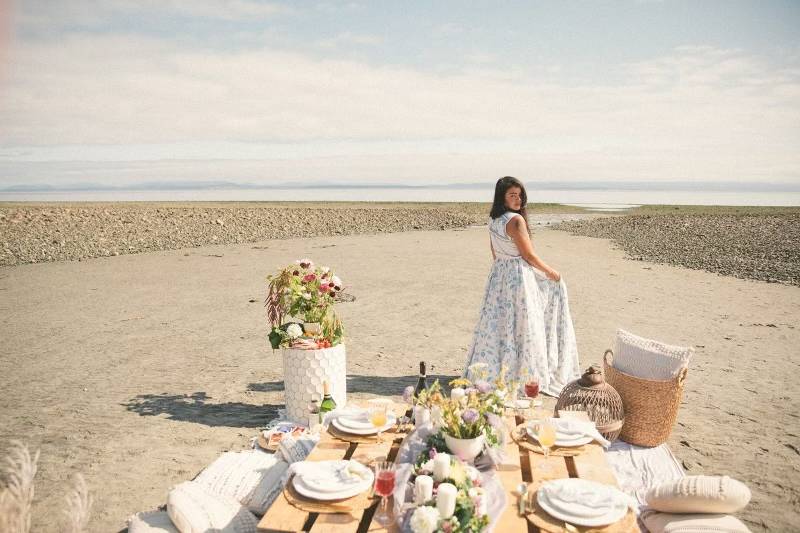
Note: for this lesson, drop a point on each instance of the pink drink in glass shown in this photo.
(384, 483)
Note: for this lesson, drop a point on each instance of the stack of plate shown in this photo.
(358, 423)
(583, 502)
(331, 480)
(563, 439)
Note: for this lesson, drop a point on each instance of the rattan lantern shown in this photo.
(601, 402)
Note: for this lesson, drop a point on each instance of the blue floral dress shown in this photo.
(524, 320)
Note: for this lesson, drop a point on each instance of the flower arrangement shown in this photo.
(305, 292)
(461, 508)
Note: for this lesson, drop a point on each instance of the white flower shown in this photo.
(336, 281)
(428, 465)
(325, 270)
(306, 296)
(436, 416)
(425, 519)
(294, 331)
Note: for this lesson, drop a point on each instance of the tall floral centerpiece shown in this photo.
(304, 326)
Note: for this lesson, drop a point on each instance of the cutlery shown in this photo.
(523, 491)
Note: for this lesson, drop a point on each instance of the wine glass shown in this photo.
(546, 435)
(384, 486)
(532, 389)
(378, 418)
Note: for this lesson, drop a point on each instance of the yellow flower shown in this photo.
(460, 382)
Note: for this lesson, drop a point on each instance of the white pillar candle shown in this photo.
(422, 415)
(478, 497)
(457, 393)
(423, 489)
(446, 499)
(441, 466)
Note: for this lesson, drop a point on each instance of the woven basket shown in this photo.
(651, 406)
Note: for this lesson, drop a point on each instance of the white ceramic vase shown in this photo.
(465, 449)
(304, 372)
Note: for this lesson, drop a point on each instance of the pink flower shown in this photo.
(309, 277)
(324, 288)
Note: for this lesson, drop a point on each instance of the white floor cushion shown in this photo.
(649, 359)
(692, 523)
(699, 494)
(252, 478)
(151, 522)
(193, 509)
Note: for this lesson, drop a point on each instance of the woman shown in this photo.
(524, 322)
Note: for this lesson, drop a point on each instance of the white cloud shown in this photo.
(350, 38)
(699, 112)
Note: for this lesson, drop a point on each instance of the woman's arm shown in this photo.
(518, 231)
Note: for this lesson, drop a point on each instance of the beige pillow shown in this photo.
(649, 359)
(252, 478)
(193, 509)
(151, 522)
(699, 494)
(692, 523)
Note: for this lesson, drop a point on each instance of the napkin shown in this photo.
(584, 497)
(578, 428)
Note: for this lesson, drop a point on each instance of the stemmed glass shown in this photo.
(384, 486)
(378, 417)
(546, 435)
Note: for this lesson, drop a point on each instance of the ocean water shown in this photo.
(599, 199)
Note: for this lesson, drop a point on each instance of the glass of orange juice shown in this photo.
(378, 418)
(546, 435)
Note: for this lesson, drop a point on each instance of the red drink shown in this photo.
(532, 389)
(384, 483)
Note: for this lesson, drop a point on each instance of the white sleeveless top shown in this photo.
(504, 247)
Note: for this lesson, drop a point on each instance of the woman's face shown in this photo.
(514, 198)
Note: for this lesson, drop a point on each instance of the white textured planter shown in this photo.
(304, 371)
(465, 449)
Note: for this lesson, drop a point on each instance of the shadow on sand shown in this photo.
(381, 385)
(197, 408)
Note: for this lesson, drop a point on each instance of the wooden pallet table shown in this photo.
(521, 466)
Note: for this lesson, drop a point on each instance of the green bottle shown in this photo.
(327, 404)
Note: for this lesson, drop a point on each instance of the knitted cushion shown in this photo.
(293, 450)
(151, 522)
(699, 494)
(649, 359)
(692, 523)
(193, 509)
(252, 478)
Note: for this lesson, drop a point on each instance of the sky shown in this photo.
(123, 92)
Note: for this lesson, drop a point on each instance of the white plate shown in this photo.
(370, 431)
(522, 403)
(331, 476)
(308, 492)
(563, 442)
(361, 421)
(573, 509)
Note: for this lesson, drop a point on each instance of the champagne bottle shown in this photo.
(422, 382)
(327, 404)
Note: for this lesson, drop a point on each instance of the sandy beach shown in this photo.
(138, 370)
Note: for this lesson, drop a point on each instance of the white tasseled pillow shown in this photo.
(252, 478)
(193, 509)
(649, 359)
(151, 522)
(293, 450)
(699, 494)
(692, 523)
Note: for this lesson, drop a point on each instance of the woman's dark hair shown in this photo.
(499, 205)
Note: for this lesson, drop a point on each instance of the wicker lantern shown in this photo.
(601, 402)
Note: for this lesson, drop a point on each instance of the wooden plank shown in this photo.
(510, 474)
(592, 464)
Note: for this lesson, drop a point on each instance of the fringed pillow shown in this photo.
(649, 359)
(692, 523)
(252, 478)
(699, 494)
(193, 509)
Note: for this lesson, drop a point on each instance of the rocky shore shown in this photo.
(761, 246)
(36, 233)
